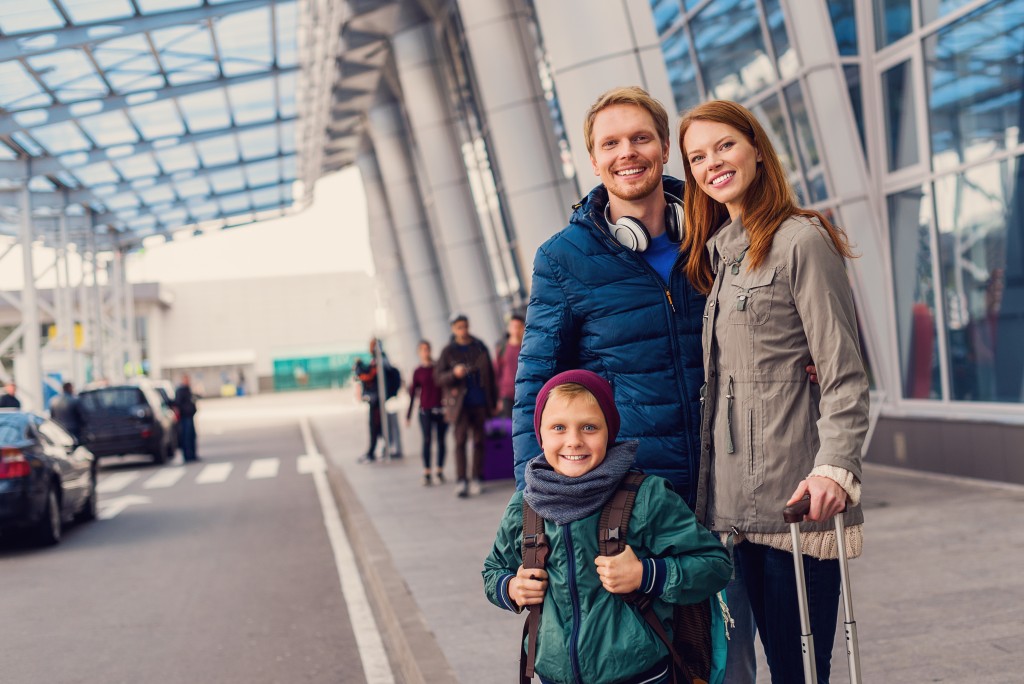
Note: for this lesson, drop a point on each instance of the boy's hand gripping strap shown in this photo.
(535, 556)
(612, 528)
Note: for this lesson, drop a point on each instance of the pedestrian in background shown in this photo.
(370, 393)
(506, 361)
(185, 403)
(66, 410)
(466, 377)
(8, 399)
(431, 413)
(778, 299)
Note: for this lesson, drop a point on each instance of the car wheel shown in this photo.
(49, 527)
(160, 455)
(90, 509)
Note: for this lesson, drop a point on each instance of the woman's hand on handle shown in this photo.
(828, 499)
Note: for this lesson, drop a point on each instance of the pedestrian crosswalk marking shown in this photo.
(311, 463)
(214, 473)
(263, 468)
(166, 477)
(116, 482)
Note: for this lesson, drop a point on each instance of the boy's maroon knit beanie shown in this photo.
(595, 384)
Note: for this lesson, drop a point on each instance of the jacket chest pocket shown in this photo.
(749, 300)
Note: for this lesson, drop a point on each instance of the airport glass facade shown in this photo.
(942, 143)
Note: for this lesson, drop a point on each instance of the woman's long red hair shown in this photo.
(767, 203)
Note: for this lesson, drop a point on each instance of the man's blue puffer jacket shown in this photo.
(597, 305)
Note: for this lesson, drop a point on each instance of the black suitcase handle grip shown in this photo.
(798, 511)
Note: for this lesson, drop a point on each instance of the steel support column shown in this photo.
(450, 206)
(30, 377)
(412, 233)
(525, 151)
(404, 327)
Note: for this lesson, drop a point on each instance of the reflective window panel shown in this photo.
(893, 20)
(981, 254)
(681, 74)
(900, 116)
(844, 24)
(852, 74)
(975, 76)
(666, 14)
(936, 9)
(785, 56)
(806, 144)
(911, 243)
(731, 50)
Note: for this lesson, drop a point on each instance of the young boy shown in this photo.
(586, 633)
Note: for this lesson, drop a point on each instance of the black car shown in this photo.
(128, 419)
(46, 477)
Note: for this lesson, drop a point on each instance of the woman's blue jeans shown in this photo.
(771, 586)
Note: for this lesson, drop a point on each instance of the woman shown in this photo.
(431, 412)
(778, 301)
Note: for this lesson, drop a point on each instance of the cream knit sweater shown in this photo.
(821, 545)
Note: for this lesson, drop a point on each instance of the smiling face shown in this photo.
(574, 433)
(628, 155)
(723, 162)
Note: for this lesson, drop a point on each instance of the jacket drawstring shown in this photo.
(728, 416)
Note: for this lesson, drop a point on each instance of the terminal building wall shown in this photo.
(900, 118)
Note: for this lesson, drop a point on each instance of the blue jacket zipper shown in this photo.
(574, 652)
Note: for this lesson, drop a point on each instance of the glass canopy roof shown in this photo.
(154, 114)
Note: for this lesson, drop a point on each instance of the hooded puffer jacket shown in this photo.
(597, 305)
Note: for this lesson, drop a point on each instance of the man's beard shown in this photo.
(630, 193)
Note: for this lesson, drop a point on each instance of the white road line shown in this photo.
(165, 477)
(263, 468)
(111, 508)
(116, 482)
(311, 463)
(368, 639)
(214, 473)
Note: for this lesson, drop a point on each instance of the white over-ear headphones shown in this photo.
(632, 233)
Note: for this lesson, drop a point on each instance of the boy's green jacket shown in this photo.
(587, 635)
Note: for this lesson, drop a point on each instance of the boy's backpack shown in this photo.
(691, 645)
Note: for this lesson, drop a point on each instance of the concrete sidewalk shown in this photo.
(939, 591)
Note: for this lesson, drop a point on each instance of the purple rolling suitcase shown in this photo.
(498, 461)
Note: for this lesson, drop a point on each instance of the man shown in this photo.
(66, 410)
(185, 402)
(609, 295)
(466, 378)
(506, 362)
(8, 399)
(370, 393)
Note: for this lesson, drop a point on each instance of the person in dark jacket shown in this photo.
(185, 403)
(66, 410)
(602, 303)
(8, 398)
(431, 413)
(466, 377)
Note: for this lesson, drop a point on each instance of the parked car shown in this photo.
(128, 419)
(46, 477)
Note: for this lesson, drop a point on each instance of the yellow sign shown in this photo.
(51, 334)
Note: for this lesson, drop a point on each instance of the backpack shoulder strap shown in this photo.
(615, 515)
(535, 555)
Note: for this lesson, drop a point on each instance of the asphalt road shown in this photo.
(219, 571)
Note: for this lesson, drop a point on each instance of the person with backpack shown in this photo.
(601, 618)
(370, 388)
(185, 404)
(466, 378)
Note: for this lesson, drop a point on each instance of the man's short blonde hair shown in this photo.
(629, 95)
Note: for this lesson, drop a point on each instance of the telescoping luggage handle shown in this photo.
(794, 515)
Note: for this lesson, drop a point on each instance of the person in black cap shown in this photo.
(466, 377)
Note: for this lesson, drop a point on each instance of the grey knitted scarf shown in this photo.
(562, 499)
